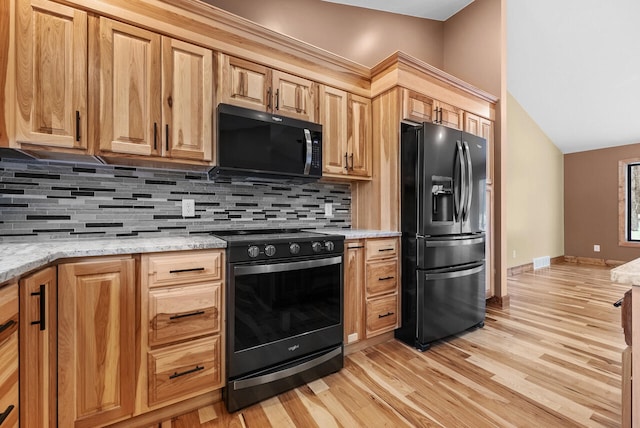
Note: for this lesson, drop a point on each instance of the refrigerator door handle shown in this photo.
(455, 273)
(453, 242)
(467, 205)
(462, 184)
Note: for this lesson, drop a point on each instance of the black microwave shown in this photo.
(258, 144)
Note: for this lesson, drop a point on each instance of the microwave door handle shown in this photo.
(307, 163)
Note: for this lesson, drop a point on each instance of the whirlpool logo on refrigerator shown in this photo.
(293, 348)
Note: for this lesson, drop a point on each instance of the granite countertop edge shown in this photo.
(19, 258)
(628, 273)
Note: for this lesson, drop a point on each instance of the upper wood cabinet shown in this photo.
(38, 327)
(254, 86)
(96, 341)
(346, 133)
(155, 94)
(421, 108)
(482, 127)
(51, 75)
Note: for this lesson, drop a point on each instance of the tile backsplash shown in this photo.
(53, 200)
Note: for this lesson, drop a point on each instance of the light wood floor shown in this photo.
(552, 359)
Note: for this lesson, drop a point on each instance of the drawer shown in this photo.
(8, 311)
(381, 248)
(382, 314)
(183, 313)
(183, 267)
(9, 381)
(382, 277)
(185, 370)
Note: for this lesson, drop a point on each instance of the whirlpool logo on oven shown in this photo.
(293, 348)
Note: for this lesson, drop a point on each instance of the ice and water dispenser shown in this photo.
(441, 198)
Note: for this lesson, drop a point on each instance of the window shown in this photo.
(629, 202)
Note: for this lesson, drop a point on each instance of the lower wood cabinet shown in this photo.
(96, 341)
(371, 288)
(38, 349)
(9, 408)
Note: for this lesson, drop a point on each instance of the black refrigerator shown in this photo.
(443, 223)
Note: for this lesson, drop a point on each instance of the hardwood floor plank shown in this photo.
(551, 359)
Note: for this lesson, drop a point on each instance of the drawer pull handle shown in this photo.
(193, 370)
(187, 270)
(192, 314)
(7, 325)
(385, 249)
(358, 246)
(388, 314)
(43, 308)
(6, 413)
(386, 278)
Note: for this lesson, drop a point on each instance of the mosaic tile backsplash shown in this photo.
(52, 200)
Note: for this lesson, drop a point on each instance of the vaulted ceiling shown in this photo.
(573, 65)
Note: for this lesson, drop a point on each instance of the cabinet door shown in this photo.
(417, 107)
(96, 342)
(449, 115)
(51, 75)
(9, 403)
(38, 384)
(294, 96)
(482, 127)
(243, 83)
(187, 76)
(360, 135)
(333, 117)
(354, 321)
(130, 83)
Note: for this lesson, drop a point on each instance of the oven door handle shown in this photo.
(285, 267)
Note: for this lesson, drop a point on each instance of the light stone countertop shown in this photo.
(357, 233)
(19, 258)
(628, 273)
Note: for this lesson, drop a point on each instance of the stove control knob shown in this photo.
(270, 250)
(329, 245)
(294, 248)
(317, 247)
(253, 251)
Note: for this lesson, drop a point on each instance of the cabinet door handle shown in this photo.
(191, 314)
(155, 136)
(346, 161)
(166, 136)
(6, 413)
(7, 325)
(77, 125)
(388, 314)
(351, 156)
(187, 270)
(269, 99)
(277, 99)
(43, 307)
(193, 370)
(386, 278)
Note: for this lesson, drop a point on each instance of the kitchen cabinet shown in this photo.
(51, 76)
(371, 284)
(9, 403)
(254, 86)
(354, 276)
(182, 342)
(96, 341)
(155, 94)
(346, 134)
(38, 350)
(420, 108)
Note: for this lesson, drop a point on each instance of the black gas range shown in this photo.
(270, 244)
(284, 295)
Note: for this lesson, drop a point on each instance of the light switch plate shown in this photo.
(328, 209)
(188, 208)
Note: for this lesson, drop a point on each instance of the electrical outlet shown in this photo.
(352, 337)
(328, 209)
(596, 248)
(188, 208)
(514, 254)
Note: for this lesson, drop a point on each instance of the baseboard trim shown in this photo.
(501, 302)
(362, 344)
(593, 261)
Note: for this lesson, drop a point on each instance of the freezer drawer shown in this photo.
(449, 251)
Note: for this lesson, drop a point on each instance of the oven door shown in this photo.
(282, 310)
